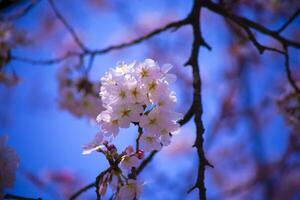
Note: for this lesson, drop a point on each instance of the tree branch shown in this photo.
(68, 26)
(289, 21)
(261, 48)
(251, 24)
(176, 24)
(197, 103)
(21, 12)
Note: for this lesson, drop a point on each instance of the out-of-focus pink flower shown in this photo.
(9, 162)
(289, 106)
(77, 93)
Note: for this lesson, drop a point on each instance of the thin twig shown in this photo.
(261, 48)
(249, 23)
(90, 64)
(176, 24)
(21, 12)
(289, 21)
(68, 26)
(46, 61)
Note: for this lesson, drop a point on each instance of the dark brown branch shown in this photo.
(246, 24)
(288, 71)
(82, 190)
(12, 196)
(21, 12)
(197, 103)
(90, 64)
(47, 61)
(251, 24)
(289, 21)
(68, 27)
(176, 24)
(261, 48)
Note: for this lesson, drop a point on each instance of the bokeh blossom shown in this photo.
(78, 94)
(9, 162)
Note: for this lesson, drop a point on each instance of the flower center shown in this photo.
(125, 113)
(144, 73)
(152, 86)
(152, 121)
(122, 94)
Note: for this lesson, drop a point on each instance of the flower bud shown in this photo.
(111, 147)
(140, 154)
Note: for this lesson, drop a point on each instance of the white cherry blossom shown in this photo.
(150, 142)
(138, 93)
(128, 162)
(131, 190)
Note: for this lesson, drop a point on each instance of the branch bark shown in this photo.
(249, 23)
(197, 104)
(175, 25)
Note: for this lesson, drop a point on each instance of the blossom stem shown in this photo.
(138, 139)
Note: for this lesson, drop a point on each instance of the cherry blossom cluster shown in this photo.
(139, 93)
(77, 94)
(9, 162)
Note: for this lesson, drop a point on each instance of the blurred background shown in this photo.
(48, 111)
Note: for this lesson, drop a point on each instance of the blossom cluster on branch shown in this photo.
(138, 93)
